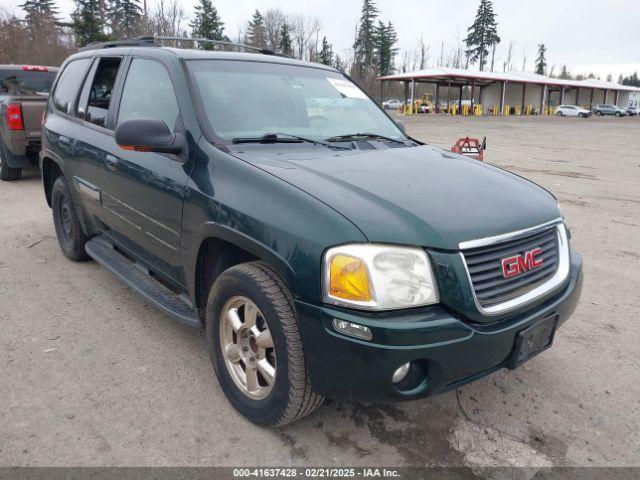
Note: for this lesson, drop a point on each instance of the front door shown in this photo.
(144, 191)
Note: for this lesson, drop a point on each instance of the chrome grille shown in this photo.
(484, 265)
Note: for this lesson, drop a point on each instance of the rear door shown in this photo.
(144, 191)
(94, 135)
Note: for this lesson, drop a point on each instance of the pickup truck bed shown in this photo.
(24, 92)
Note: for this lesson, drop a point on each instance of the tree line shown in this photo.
(41, 36)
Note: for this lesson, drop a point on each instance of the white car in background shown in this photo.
(572, 111)
(392, 103)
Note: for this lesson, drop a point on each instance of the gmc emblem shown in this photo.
(518, 264)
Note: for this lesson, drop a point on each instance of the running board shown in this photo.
(101, 249)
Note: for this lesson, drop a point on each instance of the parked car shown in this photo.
(632, 111)
(331, 256)
(23, 96)
(608, 109)
(572, 111)
(424, 108)
(393, 103)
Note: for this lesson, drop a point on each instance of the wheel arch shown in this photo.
(50, 170)
(220, 248)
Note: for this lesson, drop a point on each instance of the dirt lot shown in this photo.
(92, 375)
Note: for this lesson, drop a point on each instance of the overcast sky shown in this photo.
(599, 36)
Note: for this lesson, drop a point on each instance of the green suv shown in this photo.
(271, 202)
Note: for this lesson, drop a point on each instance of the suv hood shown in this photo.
(421, 195)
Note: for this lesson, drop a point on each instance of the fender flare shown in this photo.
(235, 237)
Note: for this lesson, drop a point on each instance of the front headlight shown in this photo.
(378, 277)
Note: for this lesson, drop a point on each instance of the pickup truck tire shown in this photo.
(241, 289)
(65, 219)
(7, 173)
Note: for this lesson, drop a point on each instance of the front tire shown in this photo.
(65, 219)
(255, 346)
(7, 173)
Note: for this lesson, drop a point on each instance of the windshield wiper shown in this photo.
(279, 137)
(353, 136)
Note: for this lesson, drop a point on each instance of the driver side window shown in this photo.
(148, 93)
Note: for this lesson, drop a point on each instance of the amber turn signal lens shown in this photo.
(348, 279)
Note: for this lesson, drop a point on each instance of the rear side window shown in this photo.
(68, 85)
(100, 93)
(148, 93)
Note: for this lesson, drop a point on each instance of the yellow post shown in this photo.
(506, 110)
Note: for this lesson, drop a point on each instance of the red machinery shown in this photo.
(470, 147)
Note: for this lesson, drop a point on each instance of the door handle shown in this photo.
(111, 161)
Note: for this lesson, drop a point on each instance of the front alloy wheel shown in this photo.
(246, 343)
(256, 348)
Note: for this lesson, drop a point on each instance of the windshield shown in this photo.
(252, 99)
(22, 82)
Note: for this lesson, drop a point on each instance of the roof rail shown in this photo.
(225, 43)
(131, 42)
(157, 42)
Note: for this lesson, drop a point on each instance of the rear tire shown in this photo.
(288, 396)
(7, 173)
(65, 219)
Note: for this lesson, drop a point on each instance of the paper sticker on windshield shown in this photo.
(346, 88)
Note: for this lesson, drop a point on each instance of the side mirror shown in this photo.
(401, 126)
(148, 135)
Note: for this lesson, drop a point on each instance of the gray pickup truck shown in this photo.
(24, 91)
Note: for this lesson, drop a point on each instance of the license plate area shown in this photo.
(533, 340)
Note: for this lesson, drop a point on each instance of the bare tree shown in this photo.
(506, 65)
(304, 28)
(524, 60)
(166, 18)
(274, 19)
(493, 55)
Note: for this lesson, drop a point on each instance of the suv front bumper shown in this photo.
(449, 351)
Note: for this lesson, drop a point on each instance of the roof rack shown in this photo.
(158, 41)
(131, 42)
(225, 43)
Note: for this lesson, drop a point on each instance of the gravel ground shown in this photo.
(92, 375)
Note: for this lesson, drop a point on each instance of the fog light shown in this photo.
(400, 373)
(352, 329)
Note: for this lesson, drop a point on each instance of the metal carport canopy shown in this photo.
(466, 77)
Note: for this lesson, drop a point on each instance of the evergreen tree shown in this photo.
(36, 11)
(541, 61)
(207, 24)
(365, 44)
(257, 33)
(326, 54)
(482, 34)
(609, 78)
(386, 38)
(125, 18)
(632, 80)
(285, 43)
(564, 73)
(88, 23)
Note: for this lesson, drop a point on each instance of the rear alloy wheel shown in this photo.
(255, 346)
(68, 230)
(7, 173)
